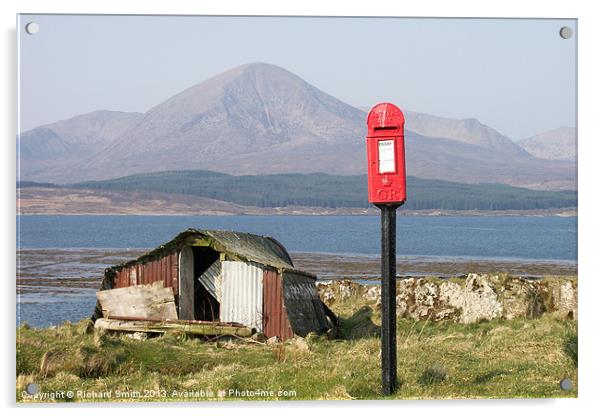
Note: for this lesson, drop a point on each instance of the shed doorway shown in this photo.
(200, 284)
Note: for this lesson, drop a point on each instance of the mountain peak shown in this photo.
(261, 67)
(254, 108)
(557, 144)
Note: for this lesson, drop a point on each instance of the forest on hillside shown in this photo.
(331, 191)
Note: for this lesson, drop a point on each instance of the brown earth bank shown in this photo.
(62, 201)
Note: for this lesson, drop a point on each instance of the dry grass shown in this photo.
(499, 359)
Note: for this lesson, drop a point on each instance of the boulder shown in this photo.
(521, 298)
(259, 337)
(273, 340)
(373, 293)
(560, 296)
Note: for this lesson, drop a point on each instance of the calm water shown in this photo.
(518, 238)
(540, 238)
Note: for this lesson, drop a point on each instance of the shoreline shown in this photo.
(322, 212)
(66, 201)
(135, 251)
(54, 285)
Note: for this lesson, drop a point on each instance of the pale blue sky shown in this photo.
(517, 76)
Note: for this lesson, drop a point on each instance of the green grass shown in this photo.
(497, 359)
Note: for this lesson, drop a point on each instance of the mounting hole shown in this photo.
(32, 28)
(566, 384)
(566, 32)
(32, 388)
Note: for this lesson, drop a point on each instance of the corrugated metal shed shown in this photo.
(242, 294)
(230, 276)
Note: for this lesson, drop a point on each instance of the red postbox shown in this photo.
(386, 155)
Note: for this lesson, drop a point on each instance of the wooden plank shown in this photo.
(209, 328)
(186, 283)
(141, 301)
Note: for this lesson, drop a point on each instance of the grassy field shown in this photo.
(442, 360)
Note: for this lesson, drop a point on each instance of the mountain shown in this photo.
(558, 144)
(252, 117)
(69, 141)
(260, 118)
(468, 130)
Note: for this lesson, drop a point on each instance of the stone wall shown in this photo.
(477, 297)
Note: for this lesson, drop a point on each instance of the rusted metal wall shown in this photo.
(242, 294)
(303, 305)
(275, 319)
(163, 269)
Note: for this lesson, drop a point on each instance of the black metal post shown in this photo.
(388, 295)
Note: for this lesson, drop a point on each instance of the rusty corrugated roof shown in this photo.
(236, 245)
(251, 247)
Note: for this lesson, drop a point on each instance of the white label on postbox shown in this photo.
(386, 156)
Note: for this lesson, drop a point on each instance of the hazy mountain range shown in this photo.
(558, 144)
(259, 119)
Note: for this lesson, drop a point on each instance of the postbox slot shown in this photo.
(386, 128)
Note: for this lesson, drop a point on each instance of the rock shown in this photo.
(422, 299)
(273, 340)
(300, 344)
(259, 337)
(521, 299)
(402, 306)
(446, 313)
(425, 298)
(328, 296)
(561, 297)
(346, 289)
(373, 293)
(339, 290)
(481, 299)
(139, 336)
(477, 297)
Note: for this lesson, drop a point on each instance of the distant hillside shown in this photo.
(332, 191)
(558, 144)
(262, 119)
(66, 142)
(469, 131)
